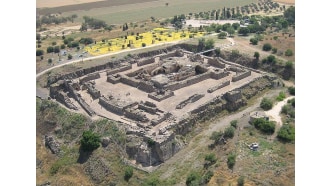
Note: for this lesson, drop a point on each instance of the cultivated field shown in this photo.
(143, 9)
(57, 3)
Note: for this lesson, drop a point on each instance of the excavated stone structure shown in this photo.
(158, 95)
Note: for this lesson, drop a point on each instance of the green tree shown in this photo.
(222, 35)
(266, 104)
(289, 15)
(63, 46)
(244, 31)
(40, 52)
(264, 125)
(128, 173)
(90, 141)
(50, 60)
(50, 49)
(209, 44)
(207, 177)
(235, 25)
(286, 133)
(230, 31)
(69, 57)
(271, 59)
(291, 90)
(56, 49)
(274, 50)
(266, 47)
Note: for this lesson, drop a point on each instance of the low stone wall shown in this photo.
(219, 74)
(136, 115)
(160, 97)
(82, 102)
(120, 69)
(107, 104)
(93, 91)
(212, 89)
(63, 98)
(129, 81)
(240, 76)
(146, 61)
(89, 77)
(190, 81)
(151, 110)
(113, 79)
(215, 63)
(146, 86)
(191, 99)
(161, 118)
(233, 95)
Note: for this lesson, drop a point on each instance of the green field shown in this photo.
(143, 11)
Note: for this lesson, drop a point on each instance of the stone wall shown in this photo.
(110, 107)
(240, 76)
(113, 79)
(63, 98)
(189, 81)
(160, 97)
(146, 86)
(82, 102)
(212, 89)
(136, 115)
(233, 95)
(120, 69)
(218, 74)
(89, 77)
(146, 61)
(93, 91)
(161, 118)
(129, 81)
(215, 62)
(191, 99)
(151, 110)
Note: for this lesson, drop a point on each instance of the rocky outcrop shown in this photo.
(52, 144)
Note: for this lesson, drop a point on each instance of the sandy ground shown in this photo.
(290, 2)
(274, 113)
(57, 3)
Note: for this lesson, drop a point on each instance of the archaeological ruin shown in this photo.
(158, 95)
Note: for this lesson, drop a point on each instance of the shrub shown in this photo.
(288, 52)
(271, 59)
(211, 158)
(266, 47)
(254, 41)
(151, 142)
(50, 60)
(90, 141)
(231, 160)
(40, 52)
(69, 56)
(240, 181)
(286, 133)
(128, 173)
(233, 123)
(63, 46)
(56, 49)
(291, 90)
(222, 35)
(50, 49)
(229, 132)
(207, 177)
(265, 126)
(274, 50)
(143, 44)
(54, 43)
(193, 179)
(280, 96)
(266, 104)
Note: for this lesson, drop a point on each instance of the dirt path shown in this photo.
(275, 112)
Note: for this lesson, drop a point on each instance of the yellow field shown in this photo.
(157, 35)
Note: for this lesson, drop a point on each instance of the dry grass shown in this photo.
(290, 2)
